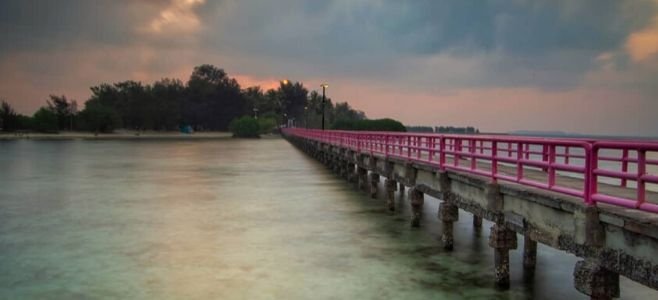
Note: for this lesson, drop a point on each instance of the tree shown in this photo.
(64, 109)
(99, 117)
(343, 111)
(8, 117)
(45, 120)
(369, 125)
(168, 96)
(293, 98)
(214, 99)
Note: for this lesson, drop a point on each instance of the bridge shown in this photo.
(596, 199)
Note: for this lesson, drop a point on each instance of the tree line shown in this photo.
(209, 100)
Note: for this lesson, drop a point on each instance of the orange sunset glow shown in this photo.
(500, 67)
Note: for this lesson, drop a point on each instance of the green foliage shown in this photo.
(369, 125)
(10, 120)
(45, 120)
(98, 117)
(23, 122)
(266, 124)
(245, 127)
(64, 109)
(213, 99)
(7, 117)
(209, 100)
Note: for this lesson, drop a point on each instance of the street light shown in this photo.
(306, 116)
(324, 87)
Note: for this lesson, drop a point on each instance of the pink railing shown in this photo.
(545, 163)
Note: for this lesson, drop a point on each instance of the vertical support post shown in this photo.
(448, 214)
(402, 187)
(529, 255)
(477, 222)
(502, 240)
(374, 183)
(362, 175)
(351, 174)
(417, 201)
(390, 186)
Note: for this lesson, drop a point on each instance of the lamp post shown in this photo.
(306, 116)
(324, 87)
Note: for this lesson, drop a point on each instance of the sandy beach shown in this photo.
(122, 134)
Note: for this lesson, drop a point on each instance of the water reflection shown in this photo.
(232, 220)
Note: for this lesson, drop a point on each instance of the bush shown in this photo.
(266, 125)
(45, 120)
(245, 127)
(369, 125)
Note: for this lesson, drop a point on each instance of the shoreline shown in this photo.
(121, 135)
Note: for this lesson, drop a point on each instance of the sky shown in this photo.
(586, 66)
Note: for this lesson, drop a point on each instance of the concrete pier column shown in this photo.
(417, 199)
(349, 171)
(477, 222)
(591, 279)
(362, 174)
(529, 255)
(374, 183)
(502, 240)
(448, 214)
(390, 186)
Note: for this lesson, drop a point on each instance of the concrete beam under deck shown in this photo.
(609, 239)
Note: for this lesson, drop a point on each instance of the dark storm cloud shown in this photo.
(516, 27)
(35, 25)
(548, 43)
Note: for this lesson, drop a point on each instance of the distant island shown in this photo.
(444, 129)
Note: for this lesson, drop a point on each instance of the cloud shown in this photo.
(643, 44)
(417, 51)
(179, 17)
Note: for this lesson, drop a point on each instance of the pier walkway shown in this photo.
(595, 199)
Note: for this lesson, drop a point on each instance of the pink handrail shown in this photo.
(508, 158)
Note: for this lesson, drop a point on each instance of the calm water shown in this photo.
(230, 219)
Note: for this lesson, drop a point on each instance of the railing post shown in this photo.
(624, 166)
(494, 161)
(408, 146)
(641, 171)
(527, 151)
(551, 170)
(430, 154)
(519, 165)
(471, 148)
(442, 153)
(544, 155)
(591, 162)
